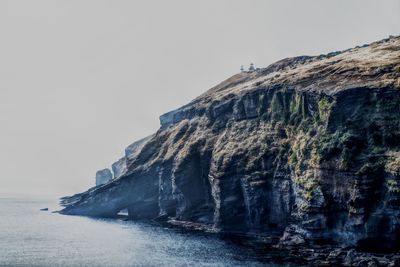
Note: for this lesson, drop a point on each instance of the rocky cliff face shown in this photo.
(306, 149)
(103, 176)
(119, 167)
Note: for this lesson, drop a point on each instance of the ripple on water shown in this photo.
(30, 237)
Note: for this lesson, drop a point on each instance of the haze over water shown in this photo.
(30, 237)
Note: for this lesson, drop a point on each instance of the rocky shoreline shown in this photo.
(269, 250)
(299, 255)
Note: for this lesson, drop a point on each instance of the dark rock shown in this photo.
(292, 236)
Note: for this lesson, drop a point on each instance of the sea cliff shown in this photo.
(306, 150)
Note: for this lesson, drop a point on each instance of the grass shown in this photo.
(393, 186)
(393, 166)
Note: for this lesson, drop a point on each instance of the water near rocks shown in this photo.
(30, 237)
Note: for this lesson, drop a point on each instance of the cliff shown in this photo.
(306, 150)
(103, 176)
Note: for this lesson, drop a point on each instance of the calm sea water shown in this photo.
(30, 237)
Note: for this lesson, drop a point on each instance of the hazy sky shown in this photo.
(80, 80)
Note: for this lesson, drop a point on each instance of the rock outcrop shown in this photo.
(307, 150)
(119, 167)
(103, 176)
(133, 150)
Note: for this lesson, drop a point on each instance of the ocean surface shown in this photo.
(30, 237)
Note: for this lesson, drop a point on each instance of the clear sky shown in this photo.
(82, 79)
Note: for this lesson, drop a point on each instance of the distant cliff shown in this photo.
(120, 166)
(307, 149)
(103, 176)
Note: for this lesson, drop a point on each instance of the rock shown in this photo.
(305, 151)
(119, 167)
(135, 148)
(350, 257)
(336, 253)
(395, 261)
(103, 176)
(293, 236)
(373, 263)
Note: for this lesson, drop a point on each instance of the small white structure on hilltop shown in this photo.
(252, 68)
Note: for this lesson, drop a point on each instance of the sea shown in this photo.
(31, 237)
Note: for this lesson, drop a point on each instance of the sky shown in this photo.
(82, 79)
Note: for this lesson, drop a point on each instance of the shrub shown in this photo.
(293, 158)
(324, 107)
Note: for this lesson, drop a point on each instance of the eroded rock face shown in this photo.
(103, 176)
(306, 149)
(133, 150)
(119, 167)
